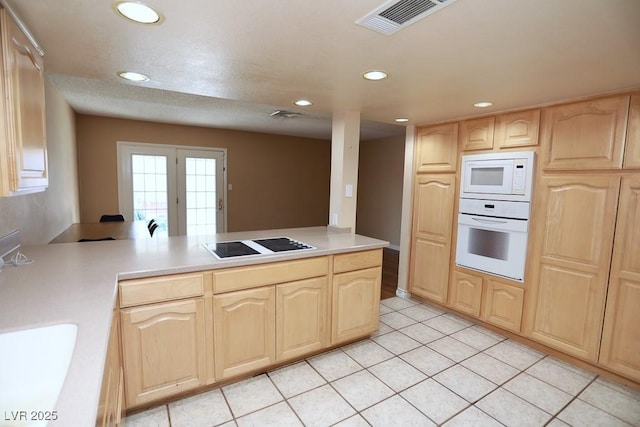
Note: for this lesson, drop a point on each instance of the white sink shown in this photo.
(33, 366)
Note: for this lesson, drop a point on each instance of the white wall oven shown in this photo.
(498, 176)
(494, 208)
(492, 237)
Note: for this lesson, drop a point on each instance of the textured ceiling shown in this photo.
(230, 64)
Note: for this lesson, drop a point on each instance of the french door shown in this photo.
(181, 188)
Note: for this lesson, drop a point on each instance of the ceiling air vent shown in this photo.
(395, 15)
(285, 114)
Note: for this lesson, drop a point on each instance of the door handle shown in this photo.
(220, 204)
(490, 221)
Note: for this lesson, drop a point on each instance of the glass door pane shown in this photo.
(201, 181)
(149, 175)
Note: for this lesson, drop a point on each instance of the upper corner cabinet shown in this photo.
(23, 147)
(585, 135)
(436, 148)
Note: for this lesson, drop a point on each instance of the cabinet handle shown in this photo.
(490, 221)
(25, 50)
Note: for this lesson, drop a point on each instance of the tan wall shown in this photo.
(42, 216)
(380, 175)
(278, 181)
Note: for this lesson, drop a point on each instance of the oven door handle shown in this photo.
(489, 221)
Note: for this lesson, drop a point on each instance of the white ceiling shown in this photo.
(230, 64)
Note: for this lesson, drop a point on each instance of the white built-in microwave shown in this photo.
(498, 176)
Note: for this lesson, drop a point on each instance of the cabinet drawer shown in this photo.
(357, 260)
(163, 288)
(268, 274)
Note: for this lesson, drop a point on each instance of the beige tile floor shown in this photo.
(422, 368)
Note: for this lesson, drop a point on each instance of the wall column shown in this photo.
(345, 144)
(407, 213)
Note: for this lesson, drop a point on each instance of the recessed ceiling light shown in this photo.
(133, 76)
(303, 103)
(401, 120)
(137, 12)
(483, 104)
(375, 75)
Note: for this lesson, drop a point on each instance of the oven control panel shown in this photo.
(495, 208)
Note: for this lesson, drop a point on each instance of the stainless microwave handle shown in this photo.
(490, 221)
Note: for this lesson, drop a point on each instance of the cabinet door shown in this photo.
(632, 148)
(477, 134)
(355, 304)
(111, 406)
(466, 293)
(244, 326)
(503, 305)
(434, 197)
(25, 110)
(437, 148)
(302, 325)
(164, 349)
(620, 350)
(576, 216)
(586, 135)
(519, 129)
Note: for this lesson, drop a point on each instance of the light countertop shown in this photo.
(77, 283)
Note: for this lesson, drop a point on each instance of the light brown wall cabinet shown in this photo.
(477, 134)
(517, 129)
(583, 283)
(576, 216)
(620, 349)
(111, 406)
(437, 148)
(632, 149)
(585, 135)
(509, 130)
(23, 148)
(434, 197)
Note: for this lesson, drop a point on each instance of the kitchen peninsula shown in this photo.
(78, 283)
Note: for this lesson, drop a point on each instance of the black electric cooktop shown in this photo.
(231, 249)
(281, 244)
(255, 247)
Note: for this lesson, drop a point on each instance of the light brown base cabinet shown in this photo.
(164, 349)
(111, 406)
(620, 348)
(355, 312)
(301, 318)
(466, 293)
(244, 325)
(572, 255)
(491, 300)
(434, 197)
(187, 331)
